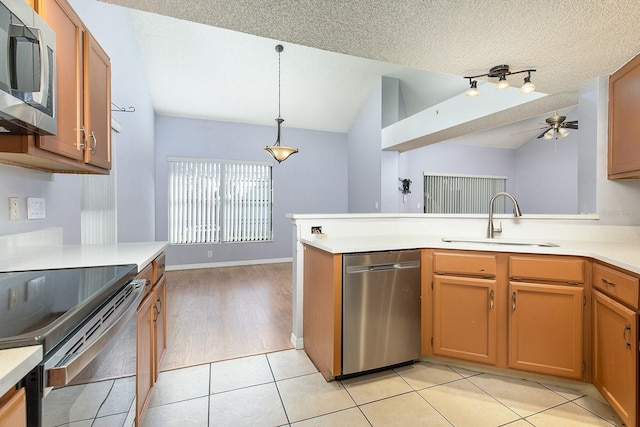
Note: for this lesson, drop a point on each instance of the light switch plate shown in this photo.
(35, 208)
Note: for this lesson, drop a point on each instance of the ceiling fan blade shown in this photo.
(570, 125)
(542, 134)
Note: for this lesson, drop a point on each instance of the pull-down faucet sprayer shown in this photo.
(516, 212)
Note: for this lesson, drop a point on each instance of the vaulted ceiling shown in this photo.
(217, 60)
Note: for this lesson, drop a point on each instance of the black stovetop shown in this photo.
(43, 306)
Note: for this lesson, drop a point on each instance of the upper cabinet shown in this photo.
(624, 128)
(83, 73)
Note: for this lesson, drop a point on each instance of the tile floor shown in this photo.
(285, 389)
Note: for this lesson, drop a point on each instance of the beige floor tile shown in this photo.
(351, 417)
(567, 415)
(74, 403)
(465, 372)
(85, 423)
(187, 413)
(238, 373)
(116, 420)
(290, 363)
(309, 396)
(567, 393)
(180, 384)
(252, 406)
(464, 404)
(405, 410)
(521, 396)
(120, 397)
(599, 408)
(519, 423)
(423, 375)
(380, 385)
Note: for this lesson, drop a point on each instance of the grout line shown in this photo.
(278, 390)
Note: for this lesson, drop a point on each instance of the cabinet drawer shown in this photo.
(556, 268)
(158, 267)
(617, 284)
(483, 265)
(147, 275)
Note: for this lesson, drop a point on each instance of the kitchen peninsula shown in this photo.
(555, 296)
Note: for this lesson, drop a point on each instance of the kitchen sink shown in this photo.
(515, 242)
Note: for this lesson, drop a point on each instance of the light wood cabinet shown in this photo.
(13, 409)
(144, 355)
(151, 333)
(464, 318)
(82, 143)
(546, 314)
(464, 305)
(545, 329)
(615, 350)
(322, 306)
(624, 128)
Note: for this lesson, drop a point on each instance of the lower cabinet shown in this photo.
(144, 357)
(464, 318)
(615, 356)
(151, 334)
(13, 409)
(546, 328)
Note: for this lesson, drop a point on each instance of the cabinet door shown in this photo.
(69, 107)
(144, 354)
(13, 409)
(545, 328)
(464, 318)
(159, 324)
(615, 356)
(97, 103)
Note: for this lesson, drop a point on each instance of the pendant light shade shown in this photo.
(277, 151)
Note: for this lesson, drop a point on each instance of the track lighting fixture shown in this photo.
(501, 72)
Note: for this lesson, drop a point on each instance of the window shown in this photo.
(215, 201)
(448, 193)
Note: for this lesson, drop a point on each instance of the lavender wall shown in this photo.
(453, 158)
(547, 175)
(364, 156)
(312, 181)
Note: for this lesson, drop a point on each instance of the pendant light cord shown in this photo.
(279, 49)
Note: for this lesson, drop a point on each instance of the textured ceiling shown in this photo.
(569, 42)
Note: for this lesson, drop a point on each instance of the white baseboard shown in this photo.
(226, 264)
(298, 343)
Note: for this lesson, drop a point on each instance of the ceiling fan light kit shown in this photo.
(277, 151)
(501, 72)
(557, 127)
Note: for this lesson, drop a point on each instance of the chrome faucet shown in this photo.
(516, 212)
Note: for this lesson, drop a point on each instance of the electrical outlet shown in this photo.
(35, 208)
(210, 254)
(14, 208)
(316, 229)
(13, 297)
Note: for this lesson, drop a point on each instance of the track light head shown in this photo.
(503, 83)
(473, 88)
(527, 86)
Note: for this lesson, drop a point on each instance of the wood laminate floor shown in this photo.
(227, 312)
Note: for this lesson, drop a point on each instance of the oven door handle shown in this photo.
(94, 336)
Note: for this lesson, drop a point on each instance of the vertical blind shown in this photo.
(212, 201)
(449, 193)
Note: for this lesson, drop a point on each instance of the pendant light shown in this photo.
(279, 152)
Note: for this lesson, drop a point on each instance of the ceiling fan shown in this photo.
(557, 127)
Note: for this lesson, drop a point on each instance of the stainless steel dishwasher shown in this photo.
(380, 309)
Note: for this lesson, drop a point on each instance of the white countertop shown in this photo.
(621, 254)
(70, 256)
(15, 364)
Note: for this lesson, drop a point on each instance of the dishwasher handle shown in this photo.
(383, 267)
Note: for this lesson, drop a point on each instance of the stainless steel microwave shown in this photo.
(27, 71)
